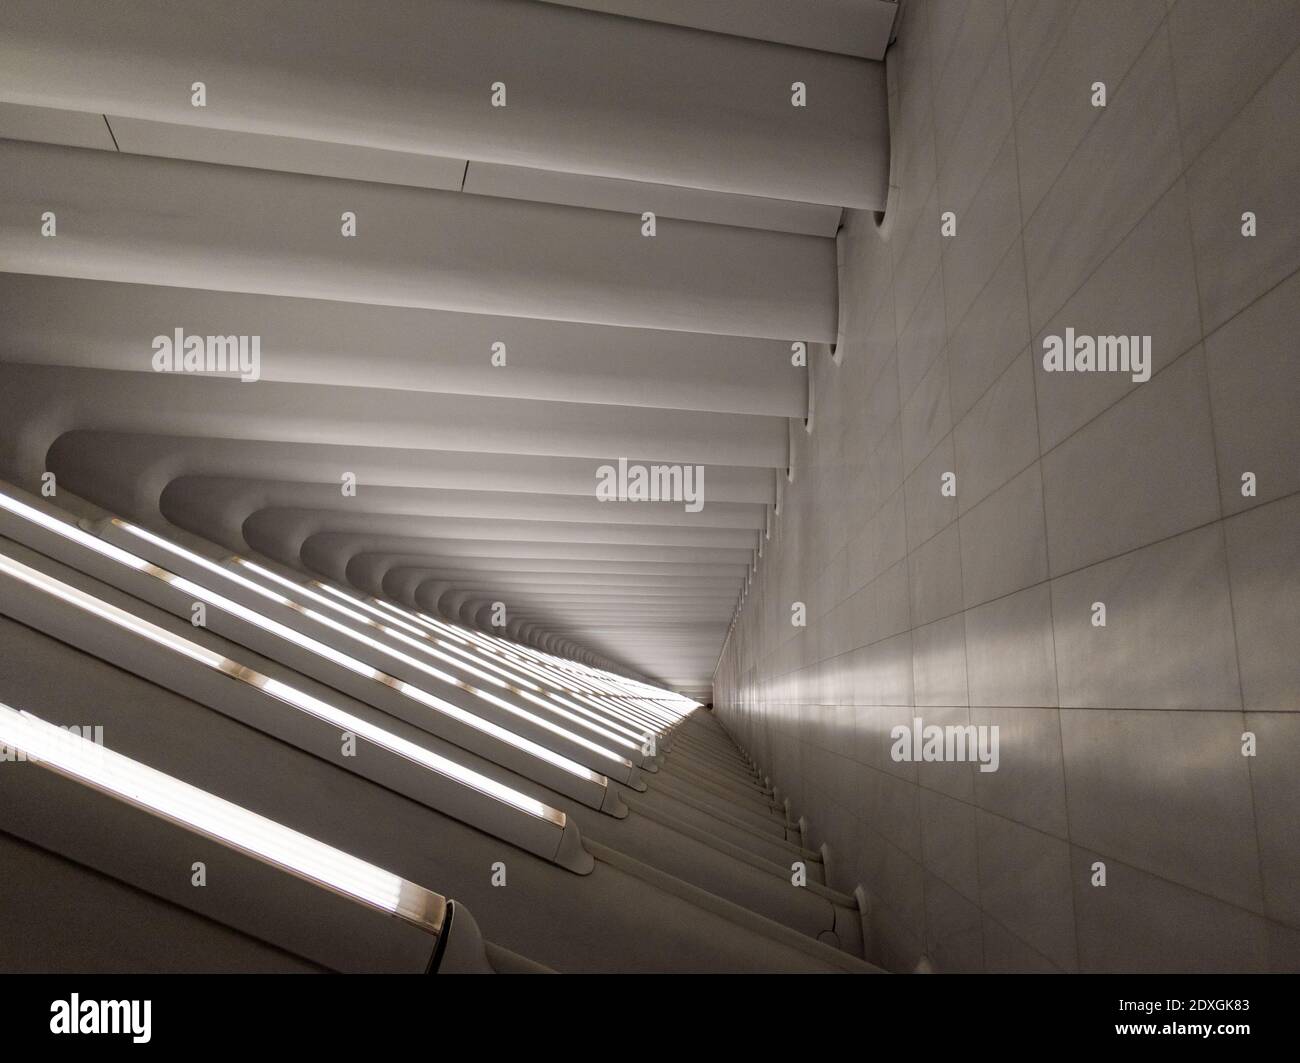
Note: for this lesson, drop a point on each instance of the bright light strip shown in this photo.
(445, 629)
(390, 607)
(200, 560)
(519, 666)
(550, 678)
(361, 668)
(290, 695)
(413, 752)
(606, 723)
(513, 677)
(223, 821)
(610, 723)
(492, 646)
(108, 612)
(374, 644)
(70, 531)
(584, 718)
(603, 717)
(597, 724)
(646, 723)
(106, 549)
(455, 662)
(461, 659)
(387, 616)
(361, 618)
(651, 719)
(396, 615)
(553, 675)
(640, 709)
(427, 648)
(363, 605)
(586, 743)
(580, 681)
(484, 695)
(306, 592)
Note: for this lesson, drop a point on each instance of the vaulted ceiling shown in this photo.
(511, 231)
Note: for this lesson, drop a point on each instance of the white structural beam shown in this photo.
(195, 225)
(586, 92)
(129, 471)
(49, 400)
(110, 325)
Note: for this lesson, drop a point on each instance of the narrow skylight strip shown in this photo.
(642, 719)
(357, 602)
(62, 527)
(613, 717)
(606, 701)
(290, 695)
(610, 684)
(392, 614)
(633, 724)
(426, 646)
(649, 711)
(468, 637)
(488, 727)
(558, 683)
(634, 719)
(566, 676)
(361, 668)
(599, 724)
(594, 721)
(377, 646)
(361, 618)
(222, 821)
(545, 724)
(610, 721)
(108, 612)
(289, 584)
(445, 629)
(412, 751)
(484, 695)
(639, 706)
(200, 560)
(546, 676)
(492, 699)
(504, 650)
(390, 607)
(541, 667)
(604, 722)
(106, 549)
(514, 678)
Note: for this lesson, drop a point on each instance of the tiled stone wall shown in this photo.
(1120, 744)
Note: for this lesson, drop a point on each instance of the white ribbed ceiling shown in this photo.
(475, 226)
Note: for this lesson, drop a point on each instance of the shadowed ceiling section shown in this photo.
(619, 264)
